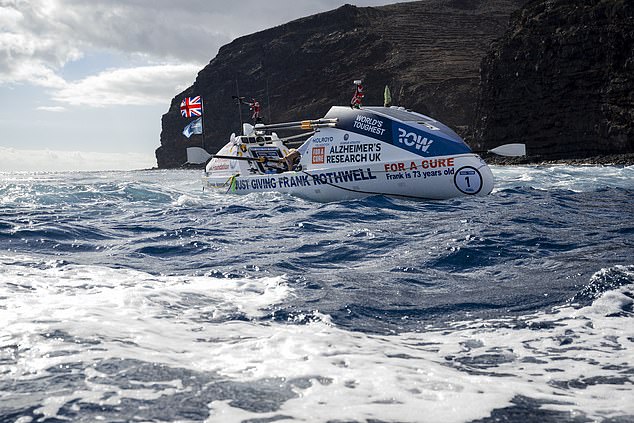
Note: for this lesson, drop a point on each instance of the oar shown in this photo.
(508, 150)
(250, 159)
(305, 125)
(287, 139)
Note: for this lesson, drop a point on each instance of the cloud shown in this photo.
(39, 37)
(144, 85)
(192, 30)
(56, 109)
(31, 47)
(16, 160)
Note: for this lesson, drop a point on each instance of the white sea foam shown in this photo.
(436, 373)
(445, 375)
(134, 311)
(573, 178)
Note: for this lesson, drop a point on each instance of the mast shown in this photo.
(202, 121)
(268, 99)
(239, 108)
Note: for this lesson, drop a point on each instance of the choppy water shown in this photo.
(134, 296)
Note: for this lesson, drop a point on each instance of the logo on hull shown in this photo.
(319, 155)
(412, 139)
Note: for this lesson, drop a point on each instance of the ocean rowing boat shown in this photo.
(354, 153)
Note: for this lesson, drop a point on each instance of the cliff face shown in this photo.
(428, 52)
(561, 80)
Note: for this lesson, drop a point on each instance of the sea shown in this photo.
(138, 297)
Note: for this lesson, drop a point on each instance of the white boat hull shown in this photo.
(422, 178)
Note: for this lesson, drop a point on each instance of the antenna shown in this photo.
(268, 99)
(239, 108)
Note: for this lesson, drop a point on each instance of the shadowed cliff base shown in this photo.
(561, 80)
(605, 160)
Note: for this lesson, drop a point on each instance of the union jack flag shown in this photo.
(192, 106)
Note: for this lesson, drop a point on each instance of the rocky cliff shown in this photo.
(427, 52)
(561, 80)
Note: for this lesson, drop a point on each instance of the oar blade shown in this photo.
(510, 150)
(197, 155)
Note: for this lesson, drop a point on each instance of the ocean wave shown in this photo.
(603, 281)
(562, 177)
(136, 295)
(111, 342)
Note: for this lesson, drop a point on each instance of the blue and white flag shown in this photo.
(194, 127)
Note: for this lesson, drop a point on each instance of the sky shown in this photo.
(83, 84)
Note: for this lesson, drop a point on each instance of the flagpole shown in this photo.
(202, 120)
(239, 104)
(268, 100)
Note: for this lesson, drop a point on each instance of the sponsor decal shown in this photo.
(434, 163)
(323, 140)
(305, 180)
(341, 176)
(255, 184)
(355, 148)
(368, 124)
(319, 155)
(412, 139)
(221, 166)
(354, 153)
(294, 181)
(354, 158)
(423, 169)
(468, 180)
(425, 140)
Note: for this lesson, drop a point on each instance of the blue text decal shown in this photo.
(426, 143)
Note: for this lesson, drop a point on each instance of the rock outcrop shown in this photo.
(427, 52)
(561, 80)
